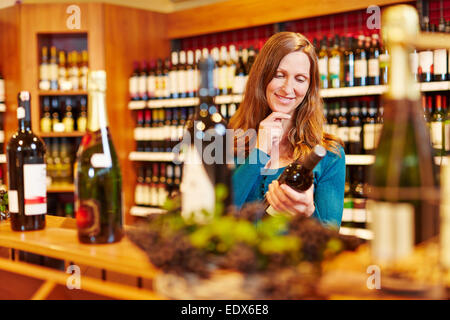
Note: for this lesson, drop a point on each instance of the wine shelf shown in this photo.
(75, 134)
(359, 159)
(324, 93)
(62, 93)
(358, 232)
(2, 158)
(61, 188)
(154, 156)
(138, 211)
(2, 107)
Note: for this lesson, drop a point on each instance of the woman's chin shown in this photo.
(283, 109)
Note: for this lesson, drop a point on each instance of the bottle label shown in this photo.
(354, 134)
(53, 72)
(223, 77)
(360, 68)
(182, 84)
(142, 85)
(101, 160)
(239, 84)
(13, 201)
(392, 225)
(333, 129)
(173, 81)
(440, 62)
(425, 61)
(190, 80)
(197, 190)
(35, 189)
(342, 133)
(334, 66)
(436, 134)
(369, 136)
(378, 129)
(414, 62)
(231, 75)
(374, 68)
(133, 86)
(151, 86)
(384, 60)
(447, 136)
(88, 218)
(323, 66)
(44, 72)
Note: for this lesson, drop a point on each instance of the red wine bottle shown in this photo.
(98, 180)
(299, 174)
(27, 189)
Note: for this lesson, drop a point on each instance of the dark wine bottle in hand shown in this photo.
(299, 174)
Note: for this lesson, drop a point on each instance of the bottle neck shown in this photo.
(24, 116)
(97, 117)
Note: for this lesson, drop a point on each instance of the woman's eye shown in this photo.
(301, 80)
(279, 75)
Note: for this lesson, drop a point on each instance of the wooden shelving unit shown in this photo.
(52, 93)
(75, 134)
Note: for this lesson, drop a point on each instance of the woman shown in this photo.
(282, 104)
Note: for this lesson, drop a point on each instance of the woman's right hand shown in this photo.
(271, 131)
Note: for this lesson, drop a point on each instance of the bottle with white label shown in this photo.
(437, 127)
(98, 180)
(403, 192)
(369, 128)
(203, 170)
(27, 176)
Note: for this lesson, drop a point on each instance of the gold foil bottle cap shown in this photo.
(97, 81)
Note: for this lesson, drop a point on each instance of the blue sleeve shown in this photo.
(246, 174)
(329, 191)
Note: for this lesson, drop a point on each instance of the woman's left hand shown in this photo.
(285, 199)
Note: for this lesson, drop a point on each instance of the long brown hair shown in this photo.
(307, 130)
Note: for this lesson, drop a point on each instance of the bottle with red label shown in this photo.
(27, 176)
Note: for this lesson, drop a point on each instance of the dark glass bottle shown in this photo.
(355, 129)
(374, 61)
(369, 129)
(27, 185)
(361, 63)
(349, 63)
(204, 168)
(299, 174)
(98, 180)
(342, 131)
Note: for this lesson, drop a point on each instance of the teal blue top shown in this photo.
(251, 182)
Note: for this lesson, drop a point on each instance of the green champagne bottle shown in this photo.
(403, 205)
(98, 180)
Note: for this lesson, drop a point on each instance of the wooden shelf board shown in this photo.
(61, 189)
(62, 93)
(75, 134)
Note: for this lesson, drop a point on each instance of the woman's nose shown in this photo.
(288, 87)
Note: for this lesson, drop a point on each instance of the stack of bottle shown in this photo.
(63, 114)
(351, 61)
(178, 76)
(156, 182)
(357, 122)
(60, 70)
(432, 65)
(437, 116)
(59, 160)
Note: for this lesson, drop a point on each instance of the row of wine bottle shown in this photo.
(158, 130)
(61, 71)
(63, 114)
(60, 157)
(356, 122)
(437, 116)
(156, 182)
(178, 76)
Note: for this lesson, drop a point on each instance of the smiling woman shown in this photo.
(282, 103)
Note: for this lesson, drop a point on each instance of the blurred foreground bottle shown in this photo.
(98, 180)
(403, 193)
(207, 158)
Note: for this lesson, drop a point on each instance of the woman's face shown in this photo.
(288, 87)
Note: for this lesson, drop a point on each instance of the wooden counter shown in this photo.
(59, 240)
(345, 277)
